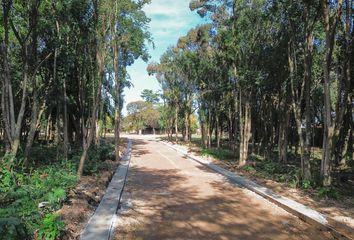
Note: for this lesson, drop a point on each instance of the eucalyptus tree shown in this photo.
(70, 50)
(20, 26)
(271, 51)
(128, 42)
(166, 72)
(150, 96)
(332, 20)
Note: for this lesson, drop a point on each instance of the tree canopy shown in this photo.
(273, 76)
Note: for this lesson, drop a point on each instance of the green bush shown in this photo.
(327, 192)
(20, 194)
(21, 191)
(56, 197)
(12, 228)
(106, 152)
(96, 158)
(249, 169)
(50, 227)
(306, 184)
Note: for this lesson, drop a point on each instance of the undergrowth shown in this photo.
(22, 190)
(290, 174)
(221, 154)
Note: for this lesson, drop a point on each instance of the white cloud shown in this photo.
(169, 17)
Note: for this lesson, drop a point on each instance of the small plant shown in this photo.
(249, 168)
(56, 197)
(327, 192)
(282, 178)
(306, 184)
(50, 227)
(295, 181)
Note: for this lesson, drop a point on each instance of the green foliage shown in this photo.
(221, 154)
(289, 174)
(150, 97)
(56, 197)
(306, 184)
(12, 228)
(248, 168)
(95, 159)
(50, 227)
(328, 192)
(140, 115)
(20, 193)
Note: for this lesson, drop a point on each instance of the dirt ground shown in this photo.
(170, 197)
(340, 214)
(85, 198)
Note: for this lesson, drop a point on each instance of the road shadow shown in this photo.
(140, 147)
(166, 206)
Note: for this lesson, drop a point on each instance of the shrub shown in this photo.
(20, 194)
(56, 197)
(306, 184)
(12, 228)
(50, 227)
(249, 168)
(328, 192)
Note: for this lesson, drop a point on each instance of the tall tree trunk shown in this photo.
(283, 133)
(116, 99)
(296, 106)
(217, 131)
(98, 74)
(65, 122)
(176, 123)
(245, 130)
(307, 93)
(12, 126)
(89, 134)
(202, 124)
(344, 93)
(330, 25)
(186, 125)
(210, 129)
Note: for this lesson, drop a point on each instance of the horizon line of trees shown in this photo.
(150, 115)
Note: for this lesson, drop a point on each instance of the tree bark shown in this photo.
(330, 25)
(89, 134)
(176, 123)
(116, 99)
(307, 93)
(245, 130)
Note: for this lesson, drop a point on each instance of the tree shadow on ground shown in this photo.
(139, 148)
(166, 206)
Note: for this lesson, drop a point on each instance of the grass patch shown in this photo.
(278, 172)
(221, 154)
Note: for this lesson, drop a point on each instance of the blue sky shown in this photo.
(170, 19)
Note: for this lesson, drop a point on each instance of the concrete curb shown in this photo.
(301, 211)
(100, 224)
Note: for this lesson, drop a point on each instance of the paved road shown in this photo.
(170, 197)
